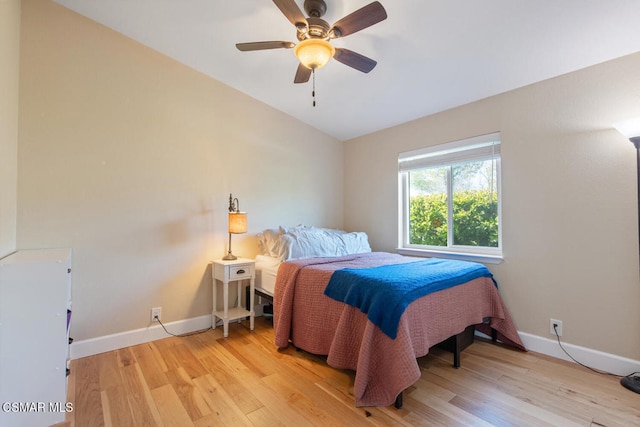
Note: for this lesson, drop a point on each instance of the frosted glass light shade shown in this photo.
(237, 222)
(314, 53)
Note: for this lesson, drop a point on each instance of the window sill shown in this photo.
(486, 259)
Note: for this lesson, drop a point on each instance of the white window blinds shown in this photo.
(481, 147)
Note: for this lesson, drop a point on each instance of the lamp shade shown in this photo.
(237, 222)
(629, 128)
(314, 53)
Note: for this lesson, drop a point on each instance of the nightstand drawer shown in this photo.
(239, 272)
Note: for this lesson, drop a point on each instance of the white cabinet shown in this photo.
(35, 296)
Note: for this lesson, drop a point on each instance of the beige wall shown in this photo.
(129, 157)
(570, 220)
(9, 76)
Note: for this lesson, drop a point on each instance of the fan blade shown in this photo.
(302, 74)
(290, 9)
(359, 20)
(245, 47)
(354, 60)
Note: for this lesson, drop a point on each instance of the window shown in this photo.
(450, 199)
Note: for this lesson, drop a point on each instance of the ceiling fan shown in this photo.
(314, 34)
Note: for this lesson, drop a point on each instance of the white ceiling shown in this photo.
(432, 54)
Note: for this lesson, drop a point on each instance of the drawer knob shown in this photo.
(240, 272)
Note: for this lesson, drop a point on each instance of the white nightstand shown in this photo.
(225, 272)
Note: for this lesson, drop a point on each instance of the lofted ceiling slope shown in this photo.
(432, 55)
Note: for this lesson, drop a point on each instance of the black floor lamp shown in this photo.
(631, 129)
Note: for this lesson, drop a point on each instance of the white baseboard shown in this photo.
(592, 358)
(106, 343)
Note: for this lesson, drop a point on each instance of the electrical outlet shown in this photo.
(557, 329)
(156, 314)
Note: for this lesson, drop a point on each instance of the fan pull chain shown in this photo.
(313, 91)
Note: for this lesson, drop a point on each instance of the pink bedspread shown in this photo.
(384, 367)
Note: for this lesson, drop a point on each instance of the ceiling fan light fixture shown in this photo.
(314, 34)
(314, 53)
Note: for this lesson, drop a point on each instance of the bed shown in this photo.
(384, 363)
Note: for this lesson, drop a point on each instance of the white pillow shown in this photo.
(307, 245)
(311, 242)
(298, 228)
(268, 241)
(356, 242)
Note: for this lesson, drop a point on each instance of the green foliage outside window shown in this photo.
(475, 219)
(428, 220)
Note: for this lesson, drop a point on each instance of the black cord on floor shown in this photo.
(183, 335)
(555, 329)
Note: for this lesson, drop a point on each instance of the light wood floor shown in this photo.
(207, 380)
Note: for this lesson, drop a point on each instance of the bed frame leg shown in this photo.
(398, 403)
(457, 348)
(494, 335)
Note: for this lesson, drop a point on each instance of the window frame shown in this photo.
(448, 155)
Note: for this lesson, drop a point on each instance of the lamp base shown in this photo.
(631, 382)
(229, 257)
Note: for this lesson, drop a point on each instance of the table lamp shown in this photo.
(237, 223)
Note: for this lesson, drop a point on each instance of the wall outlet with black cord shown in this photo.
(631, 381)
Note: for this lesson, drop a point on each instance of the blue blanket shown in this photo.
(383, 293)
